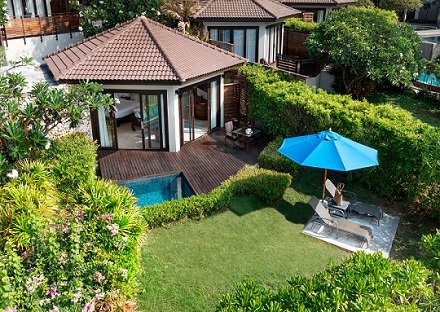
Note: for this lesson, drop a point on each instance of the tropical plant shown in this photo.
(401, 6)
(28, 118)
(368, 46)
(181, 11)
(63, 250)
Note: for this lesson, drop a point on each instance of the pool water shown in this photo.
(430, 79)
(154, 190)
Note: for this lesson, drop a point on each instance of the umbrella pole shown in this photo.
(323, 183)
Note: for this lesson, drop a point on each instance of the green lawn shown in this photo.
(188, 266)
(425, 109)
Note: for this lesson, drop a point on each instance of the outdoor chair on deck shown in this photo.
(355, 206)
(324, 217)
(229, 127)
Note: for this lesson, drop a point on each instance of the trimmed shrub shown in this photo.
(298, 24)
(62, 250)
(270, 159)
(361, 283)
(266, 185)
(72, 161)
(409, 153)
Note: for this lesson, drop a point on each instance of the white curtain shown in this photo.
(162, 121)
(40, 8)
(251, 44)
(239, 42)
(18, 9)
(214, 103)
(104, 138)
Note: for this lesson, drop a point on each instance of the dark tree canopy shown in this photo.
(100, 15)
(368, 46)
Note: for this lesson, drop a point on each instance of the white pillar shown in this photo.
(173, 120)
(222, 101)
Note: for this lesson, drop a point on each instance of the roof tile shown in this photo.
(140, 50)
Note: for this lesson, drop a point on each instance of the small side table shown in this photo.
(340, 211)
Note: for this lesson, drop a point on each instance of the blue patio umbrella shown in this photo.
(328, 150)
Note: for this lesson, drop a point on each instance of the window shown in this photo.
(244, 39)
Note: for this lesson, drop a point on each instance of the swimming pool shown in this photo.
(154, 190)
(430, 79)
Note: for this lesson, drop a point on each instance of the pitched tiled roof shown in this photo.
(243, 10)
(140, 50)
(318, 2)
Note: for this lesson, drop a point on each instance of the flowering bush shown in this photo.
(62, 252)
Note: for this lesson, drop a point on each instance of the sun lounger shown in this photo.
(355, 206)
(322, 215)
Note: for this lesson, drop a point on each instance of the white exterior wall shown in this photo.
(263, 35)
(37, 49)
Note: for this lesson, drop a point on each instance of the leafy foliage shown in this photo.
(361, 283)
(409, 153)
(270, 159)
(28, 118)
(266, 185)
(431, 245)
(101, 15)
(3, 12)
(401, 5)
(367, 44)
(64, 252)
(299, 25)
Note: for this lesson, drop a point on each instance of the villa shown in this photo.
(168, 87)
(252, 28)
(39, 27)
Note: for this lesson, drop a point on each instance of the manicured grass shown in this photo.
(189, 266)
(425, 109)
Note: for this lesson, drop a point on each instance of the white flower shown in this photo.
(47, 146)
(13, 174)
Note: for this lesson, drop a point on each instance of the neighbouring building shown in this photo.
(251, 28)
(320, 8)
(168, 87)
(39, 27)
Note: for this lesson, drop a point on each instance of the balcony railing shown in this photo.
(222, 45)
(294, 64)
(39, 26)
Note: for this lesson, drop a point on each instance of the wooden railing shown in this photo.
(223, 45)
(40, 26)
(294, 64)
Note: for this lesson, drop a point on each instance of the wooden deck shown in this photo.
(206, 162)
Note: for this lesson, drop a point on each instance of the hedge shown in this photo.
(409, 150)
(297, 24)
(72, 161)
(266, 185)
(269, 158)
(361, 283)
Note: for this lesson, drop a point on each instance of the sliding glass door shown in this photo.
(199, 110)
(137, 121)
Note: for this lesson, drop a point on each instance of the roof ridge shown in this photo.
(257, 2)
(202, 9)
(195, 39)
(143, 20)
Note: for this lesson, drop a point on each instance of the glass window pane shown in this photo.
(106, 127)
(251, 44)
(213, 34)
(214, 104)
(225, 35)
(239, 42)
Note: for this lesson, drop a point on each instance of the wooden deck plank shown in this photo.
(205, 162)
